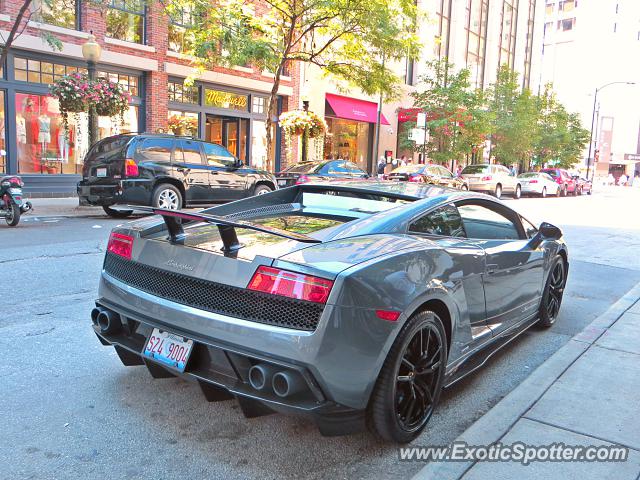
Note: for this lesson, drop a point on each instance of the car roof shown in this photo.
(401, 190)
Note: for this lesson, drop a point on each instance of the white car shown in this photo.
(492, 179)
(538, 183)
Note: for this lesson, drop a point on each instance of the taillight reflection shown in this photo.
(130, 168)
(291, 284)
(302, 179)
(121, 245)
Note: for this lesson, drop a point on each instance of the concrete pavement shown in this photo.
(587, 394)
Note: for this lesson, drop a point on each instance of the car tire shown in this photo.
(404, 386)
(589, 192)
(167, 196)
(563, 192)
(116, 213)
(518, 193)
(464, 187)
(261, 190)
(580, 191)
(552, 293)
(13, 218)
(498, 191)
(543, 194)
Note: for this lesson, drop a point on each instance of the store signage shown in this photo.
(418, 135)
(634, 157)
(220, 99)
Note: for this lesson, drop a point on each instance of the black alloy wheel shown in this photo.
(544, 192)
(410, 381)
(553, 292)
(518, 192)
(13, 214)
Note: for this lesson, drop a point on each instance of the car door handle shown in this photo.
(491, 268)
(183, 169)
(214, 172)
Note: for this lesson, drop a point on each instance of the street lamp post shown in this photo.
(91, 51)
(593, 118)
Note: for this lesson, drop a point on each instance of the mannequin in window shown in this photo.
(65, 141)
(44, 133)
(31, 137)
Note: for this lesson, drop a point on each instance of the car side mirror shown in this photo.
(239, 163)
(545, 232)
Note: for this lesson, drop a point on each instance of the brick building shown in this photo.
(140, 49)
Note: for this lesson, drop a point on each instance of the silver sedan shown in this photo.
(538, 183)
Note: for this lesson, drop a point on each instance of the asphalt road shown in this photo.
(69, 409)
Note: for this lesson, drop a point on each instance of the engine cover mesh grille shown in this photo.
(215, 297)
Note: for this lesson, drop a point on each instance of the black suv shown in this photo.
(165, 171)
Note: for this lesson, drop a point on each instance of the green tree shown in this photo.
(561, 137)
(515, 121)
(353, 40)
(457, 122)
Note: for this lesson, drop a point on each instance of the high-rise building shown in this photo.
(589, 44)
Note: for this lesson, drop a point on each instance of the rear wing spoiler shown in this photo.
(174, 220)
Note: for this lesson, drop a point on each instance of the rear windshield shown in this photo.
(302, 168)
(298, 223)
(354, 203)
(475, 169)
(528, 175)
(109, 148)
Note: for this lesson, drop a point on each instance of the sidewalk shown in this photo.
(62, 207)
(587, 393)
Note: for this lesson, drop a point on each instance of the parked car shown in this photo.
(492, 179)
(432, 174)
(319, 299)
(538, 183)
(584, 185)
(165, 171)
(313, 171)
(567, 183)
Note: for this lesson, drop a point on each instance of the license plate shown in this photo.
(170, 349)
(101, 172)
(282, 183)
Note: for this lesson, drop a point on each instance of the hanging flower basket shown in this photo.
(180, 125)
(111, 99)
(72, 92)
(300, 122)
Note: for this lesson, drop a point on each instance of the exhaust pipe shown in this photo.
(94, 315)
(109, 322)
(260, 376)
(287, 383)
(26, 206)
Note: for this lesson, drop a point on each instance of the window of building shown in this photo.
(129, 82)
(183, 123)
(258, 104)
(180, 33)
(549, 8)
(508, 28)
(443, 14)
(567, 5)
(547, 27)
(409, 77)
(567, 24)
(526, 77)
(125, 20)
(62, 13)
(181, 93)
(476, 28)
(36, 71)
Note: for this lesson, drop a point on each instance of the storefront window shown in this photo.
(108, 126)
(36, 71)
(3, 138)
(259, 144)
(125, 20)
(129, 82)
(178, 126)
(347, 140)
(43, 145)
(61, 13)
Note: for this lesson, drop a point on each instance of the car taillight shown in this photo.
(533, 181)
(415, 178)
(291, 284)
(130, 168)
(121, 245)
(486, 178)
(302, 179)
(559, 180)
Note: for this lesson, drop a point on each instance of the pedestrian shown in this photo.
(382, 163)
(611, 179)
(622, 181)
(459, 171)
(403, 161)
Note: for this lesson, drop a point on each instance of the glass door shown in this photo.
(230, 132)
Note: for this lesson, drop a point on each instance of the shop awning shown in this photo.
(355, 109)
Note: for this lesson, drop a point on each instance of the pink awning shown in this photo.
(354, 109)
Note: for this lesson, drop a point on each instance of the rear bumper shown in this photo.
(537, 189)
(134, 191)
(222, 372)
(482, 187)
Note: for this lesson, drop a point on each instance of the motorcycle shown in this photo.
(12, 205)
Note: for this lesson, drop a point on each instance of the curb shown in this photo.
(498, 421)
